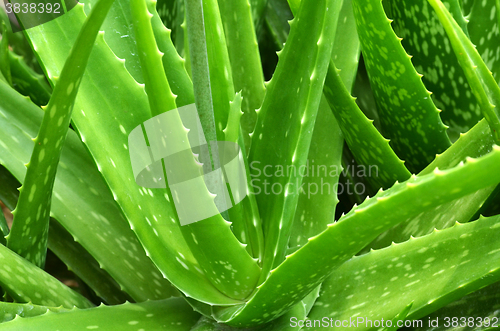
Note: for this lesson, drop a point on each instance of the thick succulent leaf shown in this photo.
(296, 87)
(121, 36)
(425, 39)
(484, 86)
(368, 146)
(80, 261)
(484, 32)
(244, 56)
(171, 314)
(382, 283)
(408, 116)
(475, 143)
(25, 282)
(226, 255)
(349, 116)
(316, 204)
(84, 207)
(103, 121)
(346, 48)
(29, 232)
(9, 310)
(221, 77)
(28, 82)
(210, 67)
(247, 78)
(288, 322)
(245, 219)
(365, 99)
(312, 263)
(62, 244)
(161, 99)
(470, 312)
(178, 78)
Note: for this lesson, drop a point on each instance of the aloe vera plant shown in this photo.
(313, 209)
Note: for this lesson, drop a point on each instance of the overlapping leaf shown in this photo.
(408, 116)
(297, 91)
(82, 202)
(171, 314)
(425, 39)
(382, 283)
(103, 121)
(29, 233)
(343, 239)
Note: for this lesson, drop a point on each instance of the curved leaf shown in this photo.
(386, 281)
(408, 116)
(171, 314)
(29, 232)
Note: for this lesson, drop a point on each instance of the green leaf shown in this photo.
(244, 216)
(244, 57)
(369, 147)
(295, 87)
(226, 254)
(28, 82)
(476, 308)
(386, 281)
(316, 204)
(84, 207)
(484, 33)
(9, 310)
(84, 265)
(408, 116)
(161, 98)
(171, 314)
(346, 47)
(312, 263)
(425, 39)
(174, 66)
(62, 244)
(484, 86)
(29, 232)
(103, 123)
(120, 35)
(25, 282)
(475, 143)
